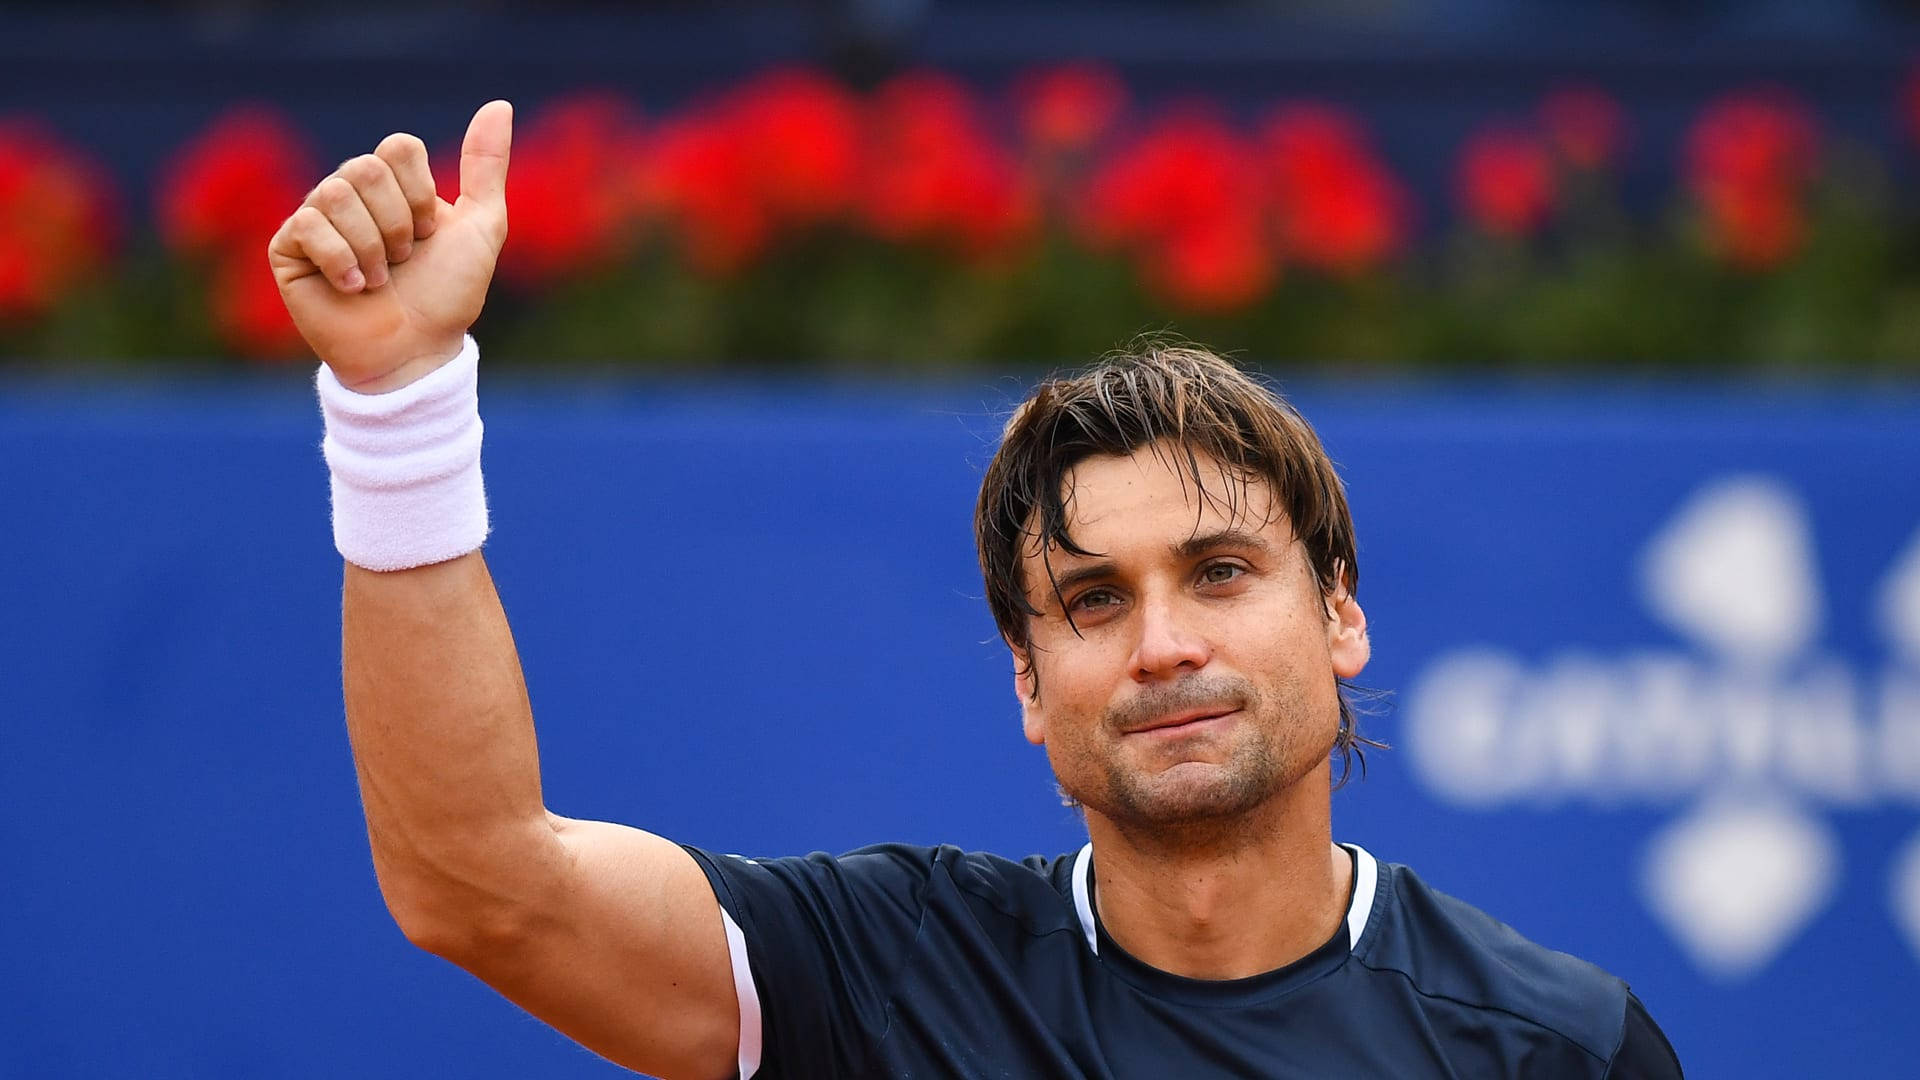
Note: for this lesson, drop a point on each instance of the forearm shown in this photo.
(610, 934)
(443, 741)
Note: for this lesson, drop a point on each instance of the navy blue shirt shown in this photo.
(904, 961)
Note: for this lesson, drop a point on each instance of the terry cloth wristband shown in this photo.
(406, 466)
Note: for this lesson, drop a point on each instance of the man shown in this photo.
(1168, 553)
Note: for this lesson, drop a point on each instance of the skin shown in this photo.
(610, 934)
(1213, 841)
(1214, 857)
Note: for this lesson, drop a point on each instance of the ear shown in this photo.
(1347, 643)
(1027, 688)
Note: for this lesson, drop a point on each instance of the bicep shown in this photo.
(626, 955)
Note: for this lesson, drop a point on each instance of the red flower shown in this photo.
(231, 187)
(1339, 208)
(701, 174)
(248, 313)
(802, 135)
(574, 206)
(1910, 102)
(1188, 170)
(936, 176)
(1585, 125)
(1217, 268)
(779, 153)
(1505, 182)
(1749, 159)
(222, 198)
(1068, 108)
(1186, 200)
(55, 220)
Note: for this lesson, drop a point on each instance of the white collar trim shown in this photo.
(1081, 903)
(1366, 879)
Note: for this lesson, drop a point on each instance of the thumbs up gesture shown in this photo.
(382, 276)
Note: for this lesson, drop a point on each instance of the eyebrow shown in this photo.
(1191, 547)
(1202, 543)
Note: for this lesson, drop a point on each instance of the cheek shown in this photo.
(1285, 649)
(1075, 684)
(1078, 676)
(1062, 656)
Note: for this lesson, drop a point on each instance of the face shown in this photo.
(1202, 677)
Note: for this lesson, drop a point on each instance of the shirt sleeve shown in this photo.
(1644, 1052)
(825, 938)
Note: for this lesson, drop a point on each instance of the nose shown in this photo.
(1169, 645)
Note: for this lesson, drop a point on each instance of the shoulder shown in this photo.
(910, 871)
(1034, 894)
(1459, 956)
(976, 890)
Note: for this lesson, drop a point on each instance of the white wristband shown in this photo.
(406, 466)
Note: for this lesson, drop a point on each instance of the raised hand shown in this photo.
(382, 276)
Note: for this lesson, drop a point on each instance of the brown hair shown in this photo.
(1194, 401)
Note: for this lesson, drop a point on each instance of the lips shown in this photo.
(1186, 718)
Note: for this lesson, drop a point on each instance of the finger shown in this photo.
(484, 153)
(308, 237)
(406, 155)
(337, 199)
(380, 192)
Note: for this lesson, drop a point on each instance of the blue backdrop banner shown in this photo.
(1652, 655)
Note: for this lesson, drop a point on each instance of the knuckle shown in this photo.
(334, 192)
(306, 224)
(363, 170)
(316, 233)
(322, 255)
(336, 257)
(401, 147)
(329, 251)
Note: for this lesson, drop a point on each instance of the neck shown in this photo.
(1225, 903)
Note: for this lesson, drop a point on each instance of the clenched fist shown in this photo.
(382, 276)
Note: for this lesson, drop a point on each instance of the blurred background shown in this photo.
(1610, 313)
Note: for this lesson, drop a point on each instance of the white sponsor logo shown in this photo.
(1905, 892)
(1749, 732)
(1900, 604)
(1734, 881)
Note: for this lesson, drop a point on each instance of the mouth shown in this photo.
(1190, 722)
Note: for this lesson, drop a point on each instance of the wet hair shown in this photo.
(1175, 398)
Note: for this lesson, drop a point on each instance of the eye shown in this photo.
(1220, 573)
(1097, 599)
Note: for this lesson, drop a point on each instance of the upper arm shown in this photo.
(826, 939)
(625, 953)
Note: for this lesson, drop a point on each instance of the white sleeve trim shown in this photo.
(749, 997)
(1366, 878)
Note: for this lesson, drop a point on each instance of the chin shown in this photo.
(1186, 794)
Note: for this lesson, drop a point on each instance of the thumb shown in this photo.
(483, 155)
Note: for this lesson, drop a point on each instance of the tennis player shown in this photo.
(1167, 552)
